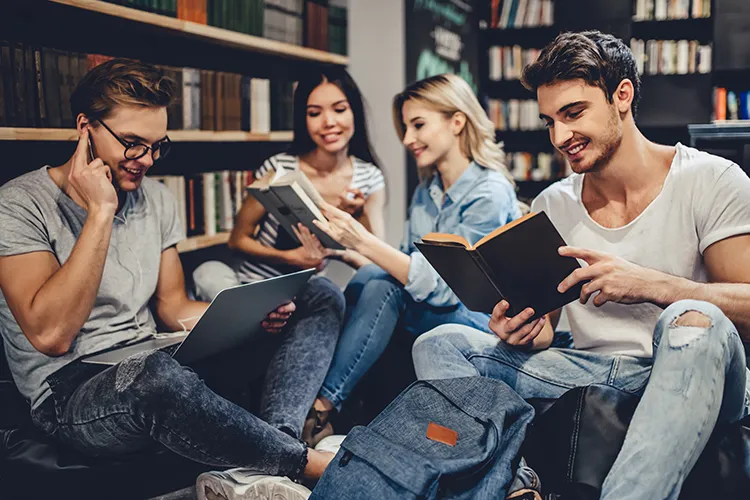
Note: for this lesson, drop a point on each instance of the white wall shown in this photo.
(377, 63)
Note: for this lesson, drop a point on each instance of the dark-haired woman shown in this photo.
(331, 147)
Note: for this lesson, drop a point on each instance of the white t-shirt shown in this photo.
(704, 199)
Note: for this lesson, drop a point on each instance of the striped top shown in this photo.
(367, 178)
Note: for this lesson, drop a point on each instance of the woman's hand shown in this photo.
(343, 228)
(311, 253)
(350, 257)
(352, 202)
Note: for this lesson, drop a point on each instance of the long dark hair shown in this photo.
(359, 145)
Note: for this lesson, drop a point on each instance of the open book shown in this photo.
(292, 199)
(518, 262)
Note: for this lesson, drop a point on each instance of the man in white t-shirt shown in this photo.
(665, 234)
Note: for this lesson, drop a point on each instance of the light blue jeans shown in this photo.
(696, 378)
(375, 303)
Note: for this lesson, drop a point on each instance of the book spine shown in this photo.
(487, 271)
(40, 95)
(19, 85)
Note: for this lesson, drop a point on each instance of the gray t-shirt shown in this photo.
(37, 216)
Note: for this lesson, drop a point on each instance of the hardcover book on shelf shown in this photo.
(518, 262)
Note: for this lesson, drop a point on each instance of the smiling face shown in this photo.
(428, 134)
(133, 124)
(583, 125)
(330, 120)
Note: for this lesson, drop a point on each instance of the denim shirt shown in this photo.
(480, 201)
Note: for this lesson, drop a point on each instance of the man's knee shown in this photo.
(688, 321)
(693, 318)
(152, 373)
(444, 338)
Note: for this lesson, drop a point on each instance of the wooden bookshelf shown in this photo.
(210, 34)
(203, 241)
(65, 134)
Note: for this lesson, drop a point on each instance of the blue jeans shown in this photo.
(375, 303)
(150, 399)
(696, 378)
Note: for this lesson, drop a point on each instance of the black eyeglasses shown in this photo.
(134, 150)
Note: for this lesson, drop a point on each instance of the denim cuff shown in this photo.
(296, 473)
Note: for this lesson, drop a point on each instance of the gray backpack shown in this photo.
(454, 438)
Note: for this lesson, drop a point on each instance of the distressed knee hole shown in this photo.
(687, 328)
(692, 318)
(129, 369)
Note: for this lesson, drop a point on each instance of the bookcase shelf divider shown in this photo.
(207, 33)
(199, 242)
(65, 134)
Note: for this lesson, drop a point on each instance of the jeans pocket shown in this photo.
(65, 381)
(630, 374)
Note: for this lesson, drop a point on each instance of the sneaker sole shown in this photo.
(214, 487)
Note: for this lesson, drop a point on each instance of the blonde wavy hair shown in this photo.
(450, 94)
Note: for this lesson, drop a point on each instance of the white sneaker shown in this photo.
(330, 444)
(243, 484)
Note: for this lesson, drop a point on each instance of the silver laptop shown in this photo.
(234, 317)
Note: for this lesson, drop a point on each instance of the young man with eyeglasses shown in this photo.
(86, 248)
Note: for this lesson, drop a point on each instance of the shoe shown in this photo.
(243, 484)
(330, 444)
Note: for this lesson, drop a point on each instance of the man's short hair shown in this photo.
(599, 59)
(121, 82)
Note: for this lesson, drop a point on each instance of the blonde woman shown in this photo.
(465, 190)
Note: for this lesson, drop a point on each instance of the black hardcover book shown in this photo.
(518, 262)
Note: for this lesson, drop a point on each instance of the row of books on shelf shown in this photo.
(283, 21)
(207, 202)
(319, 24)
(507, 63)
(521, 13)
(36, 84)
(536, 166)
(671, 57)
(731, 104)
(515, 114)
(213, 100)
(660, 10)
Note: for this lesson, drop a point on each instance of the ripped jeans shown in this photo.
(150, 400)
(696, 378)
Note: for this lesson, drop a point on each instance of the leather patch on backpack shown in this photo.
(442, 434)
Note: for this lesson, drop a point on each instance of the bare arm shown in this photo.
(50, 302)
(343, 228)
(728, 265)
(373, 214)
(617, 280)
(243, 234)
(243, 239)
(173, 307)
(38, 289)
